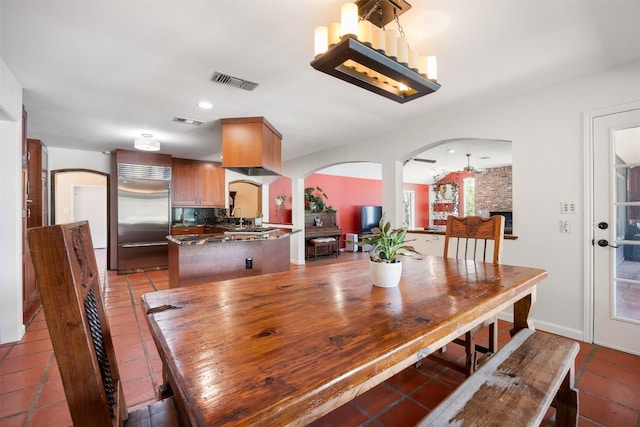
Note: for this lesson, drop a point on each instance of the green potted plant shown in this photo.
(386, 245)
(257, 219)
(314, 199)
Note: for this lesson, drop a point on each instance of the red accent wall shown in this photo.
(281, 186)
(346, 195)
(423, 206)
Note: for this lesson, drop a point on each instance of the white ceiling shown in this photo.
(96, 74)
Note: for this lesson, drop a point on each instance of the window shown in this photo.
(409, 203)
(469, 191)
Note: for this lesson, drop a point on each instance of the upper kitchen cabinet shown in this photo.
(251, 146)
(196, 183)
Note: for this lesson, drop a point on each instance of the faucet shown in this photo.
(233, 212)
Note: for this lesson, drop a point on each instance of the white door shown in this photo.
(616, 230)
(90, 203)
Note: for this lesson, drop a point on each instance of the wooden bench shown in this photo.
(516, 386)
(330, 243)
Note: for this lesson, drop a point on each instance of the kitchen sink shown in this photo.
(249, 230)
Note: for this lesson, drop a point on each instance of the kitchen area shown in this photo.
(172, 213)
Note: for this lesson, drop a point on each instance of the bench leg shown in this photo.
(566, 402)
(471, 363)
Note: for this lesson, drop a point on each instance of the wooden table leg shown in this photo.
(522, 312)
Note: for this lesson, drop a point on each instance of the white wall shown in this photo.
(11, 326)
(548, 162)
(64, 158)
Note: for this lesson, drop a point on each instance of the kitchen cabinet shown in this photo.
(251, 146)
(196, 183)
(189, 229)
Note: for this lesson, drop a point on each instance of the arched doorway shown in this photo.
(83, 194)
(245, 195)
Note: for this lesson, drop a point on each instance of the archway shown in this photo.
(245, 197)
(83, 194)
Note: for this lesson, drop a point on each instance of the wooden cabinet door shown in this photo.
(184, 188)
(211, 184)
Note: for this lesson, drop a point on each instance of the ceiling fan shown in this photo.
(469, 168)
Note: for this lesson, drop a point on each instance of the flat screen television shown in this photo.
(369, 218)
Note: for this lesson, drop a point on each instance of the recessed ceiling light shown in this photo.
(206, 105)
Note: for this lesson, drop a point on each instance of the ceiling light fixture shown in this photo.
(146, 143)
(205, 105)
(361, 51)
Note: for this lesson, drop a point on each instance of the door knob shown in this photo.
(603, 225)
(604, 243)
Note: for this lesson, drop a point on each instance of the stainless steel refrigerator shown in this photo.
(144, 211)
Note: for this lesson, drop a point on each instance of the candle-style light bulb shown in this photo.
(349, 19)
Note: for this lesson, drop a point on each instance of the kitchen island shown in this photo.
(202, 258)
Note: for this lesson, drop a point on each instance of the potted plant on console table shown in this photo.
(386, 245)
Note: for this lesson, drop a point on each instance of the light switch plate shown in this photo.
(568, 207)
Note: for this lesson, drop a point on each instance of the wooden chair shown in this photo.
(470, 238)
(69, 284)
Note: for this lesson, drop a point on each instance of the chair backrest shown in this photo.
(473, 231)
(69, 284)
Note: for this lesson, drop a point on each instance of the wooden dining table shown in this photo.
(287, 348)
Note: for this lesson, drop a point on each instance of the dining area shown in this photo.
(364, 352)
(283, 348)
(291, 347)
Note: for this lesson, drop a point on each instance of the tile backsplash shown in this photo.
(198, 216)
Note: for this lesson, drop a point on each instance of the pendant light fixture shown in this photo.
(361, 51)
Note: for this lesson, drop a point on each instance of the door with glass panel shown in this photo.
(616, 233)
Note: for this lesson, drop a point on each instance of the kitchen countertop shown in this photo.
(201, 239)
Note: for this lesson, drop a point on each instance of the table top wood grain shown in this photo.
(287, 348)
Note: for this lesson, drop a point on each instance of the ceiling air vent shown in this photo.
(228, 80)
(186, 121)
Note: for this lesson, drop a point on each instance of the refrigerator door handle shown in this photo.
(138, 245)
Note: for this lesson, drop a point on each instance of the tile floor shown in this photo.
(31, 392)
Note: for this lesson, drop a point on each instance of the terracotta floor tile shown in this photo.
(17, 401)
(130, 352)
(615, 372)
(429, 367)
(583, 354)
(376, 399)
(605, 412)
(406, 413)
(30, 347)
(52, 416)
(451, 377)
(432, 394)
(134, 369)
(618, 357)
(130, 338)
(408, 380)
(139, 391)
(22, 379)
(345, 416)
(610, 390)
(52, 392)
(28, 361)
(17, 420)
(35, 335)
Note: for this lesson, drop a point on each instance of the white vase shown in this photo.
(384, 274)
